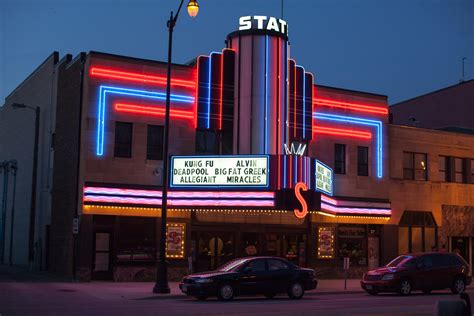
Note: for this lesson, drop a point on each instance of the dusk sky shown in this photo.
(398, 48)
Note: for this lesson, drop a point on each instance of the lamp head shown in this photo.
(193, 8)
(18, 105)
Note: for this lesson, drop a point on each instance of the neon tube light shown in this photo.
(342, 132)
(353, 210)
(176, 202)
(208, 125)
(152, 110)
(327, 199)
(105, 90)
(229, 202)
(304, 99)
(351, 106)
(132, 76)
(360, 121)
(179, 194)
(266, 95)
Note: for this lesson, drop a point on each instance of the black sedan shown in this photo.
(250, 276)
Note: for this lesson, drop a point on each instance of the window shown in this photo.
(362, 161)
(207, 142)
(417, 232)
(136, 240)
(275, 265)
(340, 158)
(472, 170)
(458, 170)
(415, 166)
(123, 140)
(257, 265)
(154, 144)
(443, 167)
(352, 243)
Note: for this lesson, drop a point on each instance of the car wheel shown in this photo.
(201, 298)
(226, 292)
(459, 285)
(296, 290)
(270, 295)
(404, 287)
(372, 292)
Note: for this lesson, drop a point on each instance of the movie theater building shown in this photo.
(264, 161)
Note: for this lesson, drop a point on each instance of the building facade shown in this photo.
(264, 161)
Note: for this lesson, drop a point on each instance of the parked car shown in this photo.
(421, 271)
(268, 276)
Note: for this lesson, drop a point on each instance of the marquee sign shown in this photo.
(263, 23)
(324, 178)
(220, 171)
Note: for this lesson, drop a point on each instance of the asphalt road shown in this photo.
(56, 298)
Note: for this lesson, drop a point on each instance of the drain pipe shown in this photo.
(14, 168)
(4, 168)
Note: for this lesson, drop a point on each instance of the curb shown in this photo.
(312, 293)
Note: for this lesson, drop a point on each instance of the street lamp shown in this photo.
(161, 284)
(31, 236)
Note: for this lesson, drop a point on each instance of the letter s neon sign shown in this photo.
(304, 209)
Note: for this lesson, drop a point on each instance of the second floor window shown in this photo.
(207, 142)
(362, 161)
(340, 158)
(415, 166)
(154, 144)
(472, 170)
(458, 170)
(123, 139)
(443, 167)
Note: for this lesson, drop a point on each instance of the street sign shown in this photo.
(346, 263)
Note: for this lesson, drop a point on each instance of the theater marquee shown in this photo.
(220, 171)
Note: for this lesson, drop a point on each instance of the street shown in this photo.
(108, 298)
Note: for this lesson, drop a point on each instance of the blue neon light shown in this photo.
(104, 90)
(358, 120)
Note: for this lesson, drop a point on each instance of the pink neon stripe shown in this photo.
(182, 202)
(179, 194)
(360, 211)
(121, 200)
(328, 199)
(221, 202)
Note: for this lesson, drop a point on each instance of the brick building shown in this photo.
(249, 109)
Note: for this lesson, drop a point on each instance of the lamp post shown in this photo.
(161, 284)
(34, 178)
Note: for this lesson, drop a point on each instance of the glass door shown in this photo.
(102, 265)
(213, 249)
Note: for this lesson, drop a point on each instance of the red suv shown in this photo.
(422, 271)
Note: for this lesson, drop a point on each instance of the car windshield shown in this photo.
(401, 261)
(233, 264)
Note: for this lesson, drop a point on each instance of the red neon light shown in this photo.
(351, 106)
(132, 76)
(152, 110)
(342, 132)
(304, 207)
